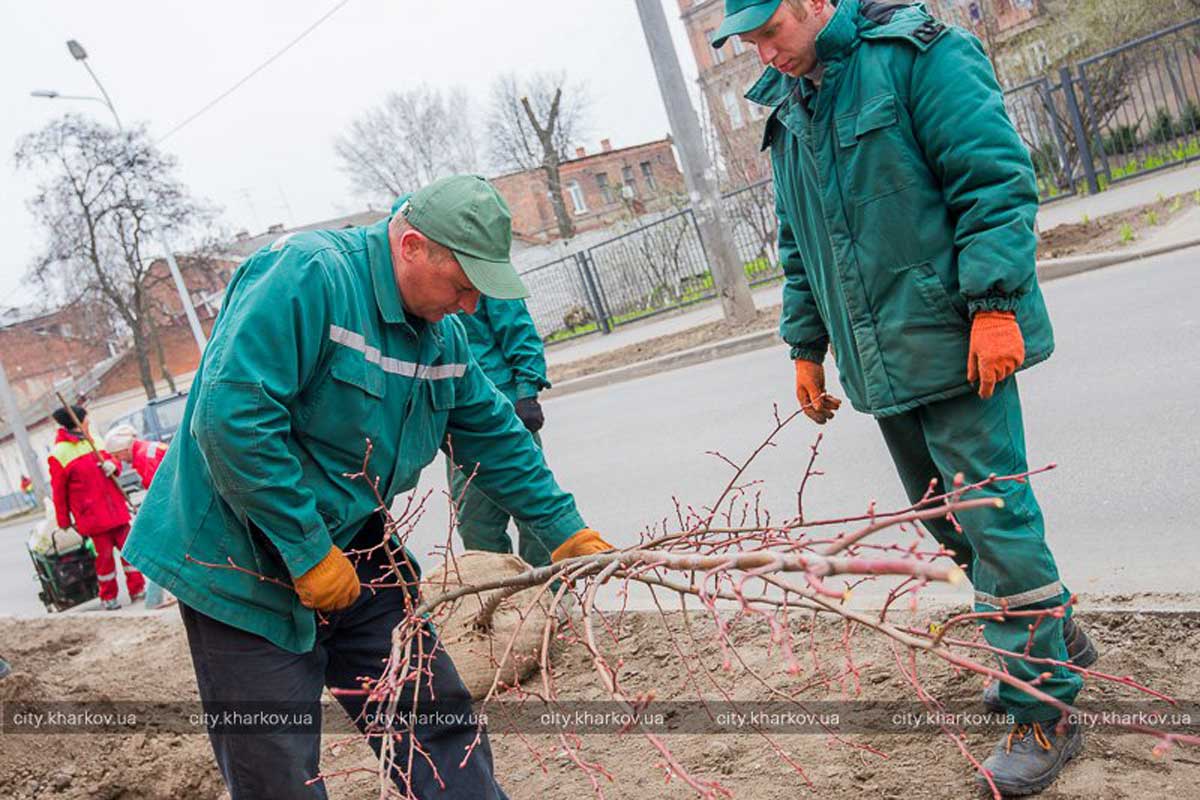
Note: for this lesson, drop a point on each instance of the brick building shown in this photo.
(41, 350)
(725, 75)
(599, 189)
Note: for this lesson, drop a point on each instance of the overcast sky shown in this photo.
(265, 153)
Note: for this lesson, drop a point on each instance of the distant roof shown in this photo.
(13, 315)
(606, 153)
(251, 244)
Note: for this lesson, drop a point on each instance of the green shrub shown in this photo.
(1189, 119)
(1121, 139)
(1163, 129)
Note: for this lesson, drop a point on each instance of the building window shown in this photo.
(648, 175)
(630, 189)
(605, 188)
(718, 55)
(733, 109)
(738, 47)
(1037, 57)
(576, 193)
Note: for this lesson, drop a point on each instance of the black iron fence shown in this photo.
(1125, 112)
(649, 270)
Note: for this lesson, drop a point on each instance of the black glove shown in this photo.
(529, 411)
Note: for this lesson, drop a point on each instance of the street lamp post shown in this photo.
(80, 55)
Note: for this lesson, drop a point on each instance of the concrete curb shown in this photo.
(1048, 270)
(1053, 268)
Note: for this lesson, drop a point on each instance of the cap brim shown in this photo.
(496, 279)
(744, 21)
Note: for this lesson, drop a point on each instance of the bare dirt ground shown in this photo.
(1111, 232)
(84, 658)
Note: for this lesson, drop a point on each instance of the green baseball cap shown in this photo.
(466, 214)
(743, 16)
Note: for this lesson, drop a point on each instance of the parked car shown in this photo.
(157, 421)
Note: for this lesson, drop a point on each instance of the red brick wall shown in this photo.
(527, 193)
(181, 353)
(55, 347)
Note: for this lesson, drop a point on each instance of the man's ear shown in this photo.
(412, 245)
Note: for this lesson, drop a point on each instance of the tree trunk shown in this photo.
(566, 228)
(550, 163)
(158, 350)
(142, 353)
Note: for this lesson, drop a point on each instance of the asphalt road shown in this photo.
(1117, 408)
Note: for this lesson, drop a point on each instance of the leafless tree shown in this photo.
(532, 123)
(410, 139)
(105, 194)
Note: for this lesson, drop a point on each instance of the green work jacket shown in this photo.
(506, 344)
(311, 356)
(906, 203)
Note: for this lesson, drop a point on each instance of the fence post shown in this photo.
(589, 283)
(1081, 137)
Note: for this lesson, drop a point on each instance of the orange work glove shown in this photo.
(810, 391)
(586, 542)
(331, 585)
(997, 349)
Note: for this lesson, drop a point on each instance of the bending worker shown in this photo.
(144, 456)
(327, 339)
(906, 204)
(506, 344)
(87, 496)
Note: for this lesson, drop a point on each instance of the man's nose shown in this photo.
(766, 54)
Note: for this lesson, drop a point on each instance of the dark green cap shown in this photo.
(743, 16)
(466, 214)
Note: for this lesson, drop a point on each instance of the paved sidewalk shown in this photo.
(1120, 198)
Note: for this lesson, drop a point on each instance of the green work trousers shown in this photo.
(1004, 549)
(483, 525)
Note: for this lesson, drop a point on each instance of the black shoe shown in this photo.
(1081, 652)
(1029, 758)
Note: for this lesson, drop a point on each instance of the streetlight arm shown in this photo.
(50, 94)
(107, 100)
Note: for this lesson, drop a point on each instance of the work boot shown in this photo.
(1081, 652)
(110, 605)
(1029, 757)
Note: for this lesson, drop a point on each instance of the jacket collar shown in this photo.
(65, 435)
(379, 253)
(835, 41)
(383, 278)
(839, 36)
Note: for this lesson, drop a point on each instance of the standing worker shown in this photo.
(506, 344)
(327, 339)
(87, 496)
(906, 206)
(144, 456)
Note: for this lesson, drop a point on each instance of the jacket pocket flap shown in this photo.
(353, 368)
(442, 393)
(876, 113)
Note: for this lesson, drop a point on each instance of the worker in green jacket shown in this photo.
(906, 204)
(327, 340)
(506, 344)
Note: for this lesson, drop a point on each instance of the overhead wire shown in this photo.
(337, 7)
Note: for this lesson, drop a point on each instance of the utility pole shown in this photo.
(698, 171)
(17, 423)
